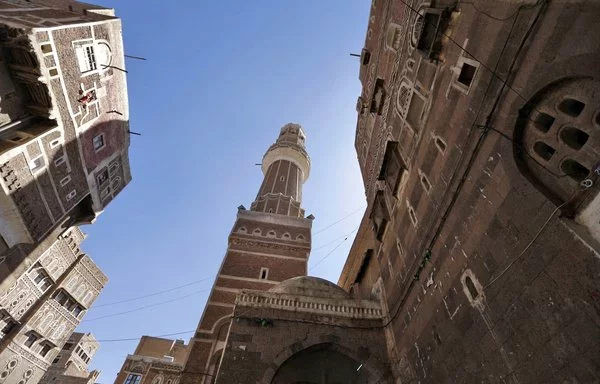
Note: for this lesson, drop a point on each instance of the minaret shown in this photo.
(268, 244)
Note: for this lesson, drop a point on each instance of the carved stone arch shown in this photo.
(271, 233)
(286, 236)
(220, 321)
(371, 368)
(158, 379)
(557, 137)
(300, 238)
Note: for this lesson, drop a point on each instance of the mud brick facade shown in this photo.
(42, 308)
(64, 140)
(478, 141)
(63, 121)
(70, 366)
(155, 361)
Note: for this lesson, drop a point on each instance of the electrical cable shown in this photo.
(495, 17)
(145, 306)
(338, 221)
(152, 294)
(336, 247)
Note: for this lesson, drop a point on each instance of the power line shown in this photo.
(336, 247)
(338, 221)
(153, 294)
(145, 306)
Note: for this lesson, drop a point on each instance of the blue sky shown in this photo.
(220, 80)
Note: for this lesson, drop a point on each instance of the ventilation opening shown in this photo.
(571, 107)
(574, 170)
(574, 137)
(46, 48)
(426, 183)
(467, 73)
(282, 178)
(53, 72)
(543, 150)
(471, 287)
(544, 122)
(440, 144)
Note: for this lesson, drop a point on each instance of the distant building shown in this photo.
(70, 366)
(64, 139)
(155, 361)
(44, 305)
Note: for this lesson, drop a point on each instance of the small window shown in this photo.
(71, 195)
(68, 346)
(440, 144)
(471, 287)
(59, 161)
(115, 183)
(31, 339)
(98, 142)
(37, 164)
(113, 168)
(45, 349)
(378, 97)
(133, 379)
(467, 73)
(271, 234)
(264, 273)
(574, 170)
(65, 180)
(54, 143)
(425, 182)
(86, 58)
(102, 177)
(56, 359)
(257, 231)
(282, 178)
(412, 214)
(53, 72)
(17, 138)
(380, 215)
(365, 57)
(392, 168)
(46, 48)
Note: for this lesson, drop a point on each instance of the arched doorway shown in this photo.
(321, 364)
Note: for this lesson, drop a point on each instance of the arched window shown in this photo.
(80, 290)
(286, 236)
(72, 282)
(257, 231)
(158, 380)
(46, 322)
(59, 332)
(271, 233)
(88, 297)
(300, 238)
(242, 230)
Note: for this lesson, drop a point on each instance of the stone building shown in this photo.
(63, 123)
(70, 366)
(63, 157)
(155, 361)
(43, 307)
(478, 141)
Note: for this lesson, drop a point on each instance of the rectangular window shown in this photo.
(378, 97)
(31, 339)
(37, 164)
(65, 180)
(264, 273)
(45, 349)
(56, 359)
(380, 215)
(68, 346)
(133, 379)
(86, 57)
(467, 73)
(392, 168)
(71, 195)
(59, 161)
(10, 325)
(102, 177)
(98, 142)
(54, 143)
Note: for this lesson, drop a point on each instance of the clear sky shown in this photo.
(221, 78)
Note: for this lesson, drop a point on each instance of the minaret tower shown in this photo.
(268, 244)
